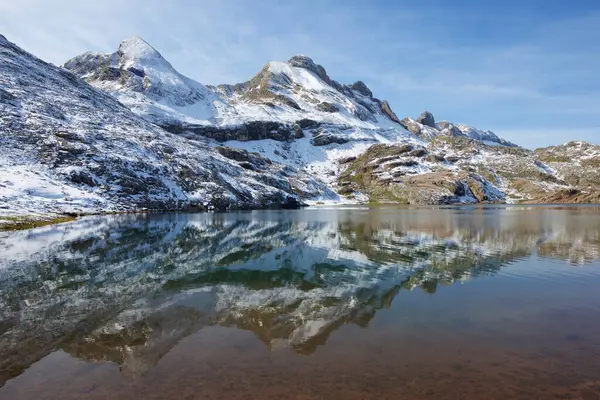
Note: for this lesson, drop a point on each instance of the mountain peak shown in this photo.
(301, 61)
(136, 48)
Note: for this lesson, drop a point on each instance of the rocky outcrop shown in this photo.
(361, 88)
(395, 173)
(426, 118)
(387, 110)
(323, 139)
(456, 169)
(253, 130)
(426, 128)
(307, 63)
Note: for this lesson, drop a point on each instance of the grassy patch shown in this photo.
(11, 223)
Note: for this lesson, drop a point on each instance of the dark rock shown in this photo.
(328, 107)
(346, 160)
(254, 130)
(307, 123)
(404, 148)
(248, 166)
(387, 111)
(426, 118)
(307, 63)
(435, 158)
(346, 190)
(247, 160)
(109, 74)
(287, 101)
(407, 163)
(82, 177)
(137, 72)
(6, 97)
(361, 88)
(418, 153)
(325, 139)
(452, 159)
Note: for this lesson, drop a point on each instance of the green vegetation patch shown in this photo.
(11, 223)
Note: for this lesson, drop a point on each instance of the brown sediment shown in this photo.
(225, 363)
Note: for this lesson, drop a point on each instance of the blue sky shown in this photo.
(528, 70)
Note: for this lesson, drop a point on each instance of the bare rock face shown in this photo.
(387, 110)
(249, 131)
(362, 88)
(412, 126)
(307, 63)
(426, 118)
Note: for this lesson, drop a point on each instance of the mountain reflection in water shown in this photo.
(126, 289)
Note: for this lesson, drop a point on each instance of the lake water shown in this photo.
(498, 302)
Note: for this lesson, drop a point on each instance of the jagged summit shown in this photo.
(427, 128)
(140, 77)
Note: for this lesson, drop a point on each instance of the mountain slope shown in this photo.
(67, 147)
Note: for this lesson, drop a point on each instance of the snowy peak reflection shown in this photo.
(127, 289)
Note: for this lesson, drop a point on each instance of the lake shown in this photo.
(493, 302)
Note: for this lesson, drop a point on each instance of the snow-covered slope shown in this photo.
(67, 147)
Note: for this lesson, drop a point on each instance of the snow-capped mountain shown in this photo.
(290, 112)
(289, 135)
(68, 147)
(285, 92)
